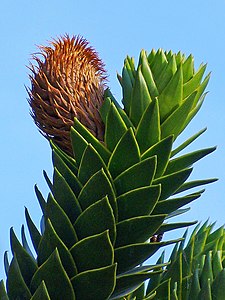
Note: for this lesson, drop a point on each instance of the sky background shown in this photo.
(115, 29)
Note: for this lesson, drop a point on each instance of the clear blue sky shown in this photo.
(115, 29)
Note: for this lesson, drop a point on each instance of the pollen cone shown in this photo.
(67, 81)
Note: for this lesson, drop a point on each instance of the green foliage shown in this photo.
(196, 270)
(109, 200)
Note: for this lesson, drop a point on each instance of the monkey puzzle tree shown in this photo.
(117, 181)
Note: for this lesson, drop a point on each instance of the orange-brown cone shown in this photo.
(69, 82)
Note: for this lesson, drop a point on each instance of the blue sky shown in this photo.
(115, 29)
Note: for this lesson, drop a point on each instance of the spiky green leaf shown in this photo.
(52, 272)
(60, 222)
(115, 127)
(41, 293)
(65, 196)
(137, 230)
(97, 187)
(95, 284)
(138, 202)
(127, 148)
(49, 242)
(137, 176)
(88, 254)
(148, 130)
(96, 219)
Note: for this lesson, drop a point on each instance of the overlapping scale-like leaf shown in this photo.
(41, 293)
(60, 222)
(162, 151)
(91, 162)
(97, 218)
(125, 154)
(138, 229)
(97, 187)
(67, 173)
(127, 282)
(3, 294)
(34, 232)
(88, 252)
(16, 286)
(196, 270)
(51, 272)
(130, 256)
(148, 129)
(137, 176)
(138, 202)
(172, 204)
(114, 195)
(95, 284)
(115, 127)
(26, 264)
(65, 195)
(49, 242)
(89, 138)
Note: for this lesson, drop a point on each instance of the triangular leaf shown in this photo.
(172, 226)
(91, 139)
(41, 293)
(148, 130)
(115, 128)
(52, 272)
(67, 173)
(6, 262)
(65, 197)
(174, 124)
(16, 286)
(188, 68)
(195, 183)
(97, 187)
(127, 88)
(34, 233)
(146, 71)
(172, 95)
(40, 198)
(95, 284)
(96, 219)
(187, 160)
(60, 222)
(162, 150)
(163, 78)
(49, 242)
(138, 175)
(138, 202)
(88, 252)
(127, 148)
(158, 63)
(68, 160)
(79, 144)
(3, 295)
(137, 230)
(187, 142)
(25, 242)
(26, 263)
(171, 183)
(194, 82)
(140, 98)
(91, 162)
(127, 283)
(128, 257)
(169, 205)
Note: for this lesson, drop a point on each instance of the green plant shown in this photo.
(196, 270)
(111, 199)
